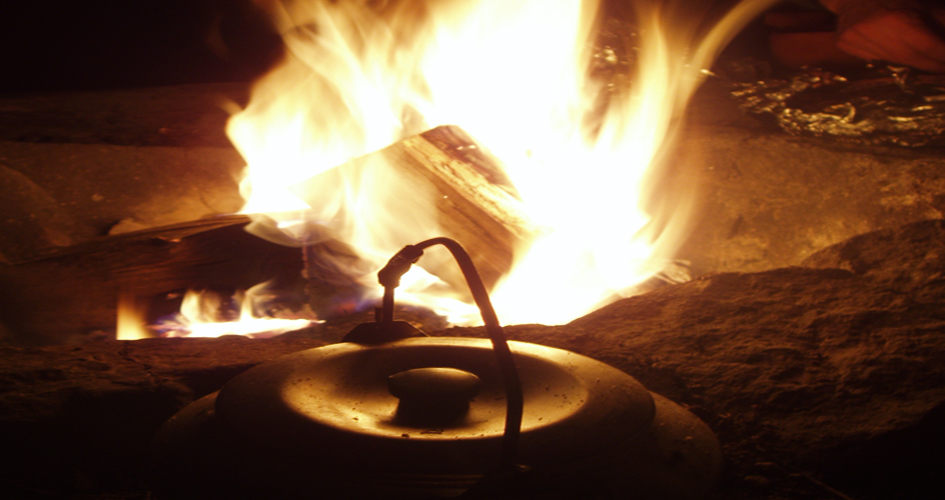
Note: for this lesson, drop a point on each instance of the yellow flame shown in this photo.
(203, 314)
(582, 149)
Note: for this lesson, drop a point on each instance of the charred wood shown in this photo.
(70, 294)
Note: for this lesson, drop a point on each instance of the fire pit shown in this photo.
(821, 382)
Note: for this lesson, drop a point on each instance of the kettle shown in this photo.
(389, 413)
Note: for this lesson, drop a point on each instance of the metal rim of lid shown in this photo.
(330, 407)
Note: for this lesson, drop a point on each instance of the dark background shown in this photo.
(48, 45)
(97, 44)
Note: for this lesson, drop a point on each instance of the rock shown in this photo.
(96, 186)
(812, 360)
(910, 258)
(91, 410)
(758, 481)
(770, 200)
(32, 219)
(837, 371)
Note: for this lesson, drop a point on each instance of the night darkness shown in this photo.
(95, 44)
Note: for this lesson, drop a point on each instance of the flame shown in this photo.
(582, 127)
(131, 319)
(205, 314)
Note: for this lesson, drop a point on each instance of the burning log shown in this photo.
(71, 294)
(473, 200)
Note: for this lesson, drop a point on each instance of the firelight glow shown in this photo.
(523, 78)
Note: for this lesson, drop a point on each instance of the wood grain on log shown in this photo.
(466, 189)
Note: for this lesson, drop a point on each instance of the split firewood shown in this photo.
(442, 174)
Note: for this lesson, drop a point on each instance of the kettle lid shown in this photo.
(333, 407)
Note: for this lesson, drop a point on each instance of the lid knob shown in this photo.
(435, 396)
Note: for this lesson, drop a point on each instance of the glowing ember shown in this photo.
(206, 314)
(523, 77)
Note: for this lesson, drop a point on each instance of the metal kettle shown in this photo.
(391, 414)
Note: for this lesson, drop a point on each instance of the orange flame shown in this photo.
(583, 151)
(131, 322)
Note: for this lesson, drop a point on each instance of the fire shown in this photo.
(206, 314)
(581, 124)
